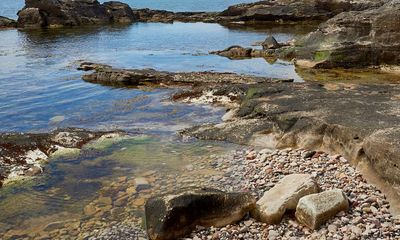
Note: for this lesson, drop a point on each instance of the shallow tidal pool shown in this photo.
(104, 181)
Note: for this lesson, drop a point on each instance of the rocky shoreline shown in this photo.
(243, 170)
(24, 155)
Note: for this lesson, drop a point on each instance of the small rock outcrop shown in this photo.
(284, 196)
(7, 23)
(354, 39)
(49, 13)
(270, 43)
(172, 216)
(315, 209)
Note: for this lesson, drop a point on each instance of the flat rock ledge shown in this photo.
(358, 121)
(105, 74)
(284, 197)
(175, 215)
(24, 155)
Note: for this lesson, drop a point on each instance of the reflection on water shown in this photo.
(70, 184)
(40, 85)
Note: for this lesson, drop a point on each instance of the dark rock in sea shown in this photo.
(235, 52)
(48, 13)
(279, 11)
(149, 15)
(354, 39)
(172, 216)
(7, 23)
(270, 43)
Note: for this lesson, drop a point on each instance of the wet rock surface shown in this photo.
(175, 215)
(7, 23)
(47, 13)
(25, 154)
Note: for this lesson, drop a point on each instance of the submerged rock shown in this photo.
(284, 196)
(172, 216)
(7, 23)
(48, 13)
(315, 209)
(25, 154)
(354, 39)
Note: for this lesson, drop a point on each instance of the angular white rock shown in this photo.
(284, 196)
(315, 209)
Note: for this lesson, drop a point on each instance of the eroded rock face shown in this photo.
(293, 10)
(175, 215)
(354, 39)
(283, 197)
(49, 13)
(315, 209)
(7, 23)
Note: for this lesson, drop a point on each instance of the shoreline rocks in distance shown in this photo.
(38, 14)
(7, 23)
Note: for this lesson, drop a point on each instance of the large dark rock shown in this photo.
(354, 39)
(7, 23)
(172, 216)
(56, 13)
(294, 10)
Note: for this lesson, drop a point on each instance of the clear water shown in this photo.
(39, 83)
